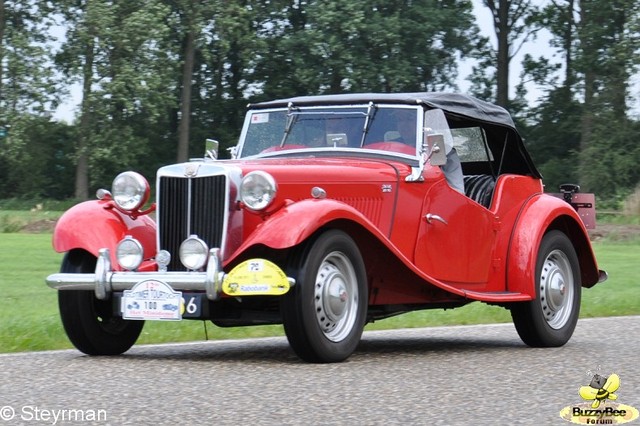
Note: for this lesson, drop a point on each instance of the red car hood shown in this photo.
(329, 170)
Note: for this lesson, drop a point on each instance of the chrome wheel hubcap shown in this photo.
(336, 296)
(556, 289)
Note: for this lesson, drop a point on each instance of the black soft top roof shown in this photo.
(455, 103)
(463, 107)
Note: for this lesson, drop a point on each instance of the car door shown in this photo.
(455, 238)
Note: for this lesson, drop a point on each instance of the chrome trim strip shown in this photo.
(189, 201)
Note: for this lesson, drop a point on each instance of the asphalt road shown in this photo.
(480, 375)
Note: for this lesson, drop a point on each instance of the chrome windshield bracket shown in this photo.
(416, 175)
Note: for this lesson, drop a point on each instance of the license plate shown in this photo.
(151, 300)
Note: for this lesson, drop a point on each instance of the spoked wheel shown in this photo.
(325, 312)
(88, 321)
(551, 318)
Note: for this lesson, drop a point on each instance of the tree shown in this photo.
(608, 56)
(350, 46)
(26, 78)
(157, 75)
(514, 23)
(191, 16)
(37, 162)
(220, 52)
(582, 129)
(116, 49)
(552, 127)
(27, 91)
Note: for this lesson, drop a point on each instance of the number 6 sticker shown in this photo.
(190, 307)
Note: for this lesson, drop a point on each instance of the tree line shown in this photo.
(158, 77)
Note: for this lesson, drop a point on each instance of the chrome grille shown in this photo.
(190, 206)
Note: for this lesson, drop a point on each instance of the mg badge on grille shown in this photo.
(191, 169)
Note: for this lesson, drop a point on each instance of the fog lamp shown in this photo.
(194, 253)
(129, 253)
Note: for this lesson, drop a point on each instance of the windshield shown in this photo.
(379, 128)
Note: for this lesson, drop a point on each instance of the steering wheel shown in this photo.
(282, 148)
(392, 146)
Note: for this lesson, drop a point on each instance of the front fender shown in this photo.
(295, 222)
(93, 225)
(541, 214)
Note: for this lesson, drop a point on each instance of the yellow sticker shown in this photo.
(256, 277)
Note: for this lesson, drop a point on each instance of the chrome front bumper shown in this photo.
(105, 281)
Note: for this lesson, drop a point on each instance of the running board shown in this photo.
(497, 296)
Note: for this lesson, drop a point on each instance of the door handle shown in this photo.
(431, 217)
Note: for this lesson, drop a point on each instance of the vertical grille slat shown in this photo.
(207, 217)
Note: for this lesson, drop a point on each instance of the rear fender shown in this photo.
(94, 225)
(543, 213)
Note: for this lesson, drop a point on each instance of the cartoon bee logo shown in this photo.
(600, 389)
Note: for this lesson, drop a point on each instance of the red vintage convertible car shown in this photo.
(333, 211)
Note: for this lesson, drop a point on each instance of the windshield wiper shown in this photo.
(371, 110)
(291, 118)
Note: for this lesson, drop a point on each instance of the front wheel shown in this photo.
(89, 322)
(551, 318)
(325, 312)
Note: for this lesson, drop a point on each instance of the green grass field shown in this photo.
(12, 221)
(29, 318)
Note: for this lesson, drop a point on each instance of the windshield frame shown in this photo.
(369, 113)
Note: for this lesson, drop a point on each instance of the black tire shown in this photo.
(325, 312)
(88, 321)
(550, 319)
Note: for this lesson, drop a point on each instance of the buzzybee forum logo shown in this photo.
(601, 406)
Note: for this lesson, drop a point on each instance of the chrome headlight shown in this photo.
(193, 253)
(129, 253)
(130, 190)
(257, 190)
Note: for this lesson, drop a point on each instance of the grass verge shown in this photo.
(29, 318)
(35, 220)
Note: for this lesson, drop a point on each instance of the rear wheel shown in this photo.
(325, 312)
(89, 322)
(551, 318)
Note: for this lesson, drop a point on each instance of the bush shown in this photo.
(9, 225)
(28, 204)
(631, 205)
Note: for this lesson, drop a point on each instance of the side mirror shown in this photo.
(436, 149)
(211, 148)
